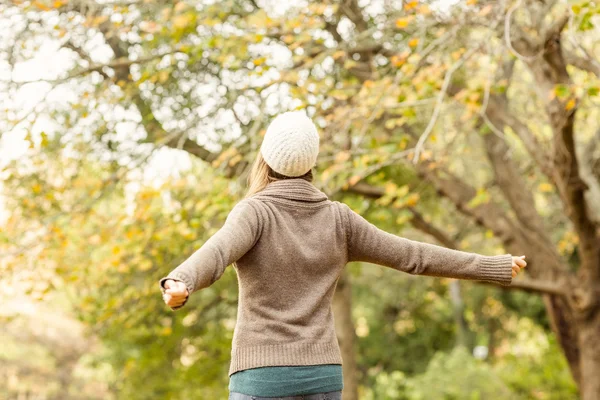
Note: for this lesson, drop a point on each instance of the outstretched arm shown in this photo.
(237, 235)
(366, 242)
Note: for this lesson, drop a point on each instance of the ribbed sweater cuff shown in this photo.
(284, 354)
(496, 269)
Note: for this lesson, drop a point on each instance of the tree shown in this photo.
(392, 87)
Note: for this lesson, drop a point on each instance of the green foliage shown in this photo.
(457, 375)
(202, 78)
(543, 375)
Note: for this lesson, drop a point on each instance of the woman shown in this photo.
(288, 244)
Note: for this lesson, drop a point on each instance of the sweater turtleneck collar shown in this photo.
(294, 189)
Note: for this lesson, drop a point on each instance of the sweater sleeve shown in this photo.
(204, 267)
(368, 243)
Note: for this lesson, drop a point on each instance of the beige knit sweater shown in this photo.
(291, 243)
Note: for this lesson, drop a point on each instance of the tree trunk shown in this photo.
(463, 335)
(342, 310)
(589, 343)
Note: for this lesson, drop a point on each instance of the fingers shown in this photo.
(515, 270)
(172, 301)
(175, 287)
(175, 293)
(520, 261)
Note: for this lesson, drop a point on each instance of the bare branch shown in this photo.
(586, 63)
(533, 285)
(440, 101)
(522, 39)
(119, 63)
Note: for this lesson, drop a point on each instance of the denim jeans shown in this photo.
(317, 396)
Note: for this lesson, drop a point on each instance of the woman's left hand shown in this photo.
(518, 263)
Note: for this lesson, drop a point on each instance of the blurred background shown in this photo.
(127, 128)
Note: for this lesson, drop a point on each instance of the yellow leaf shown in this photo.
(390, 188)
(145, 265)
(354, 180)
(180, 6)
(181, 21)
(471, 2)
(412, 199)
(545, 187)
(338, 54)
(163, 76)
(165, 13)
(409, 5)
(41, 5)
(259, 61)
(486, 10)
(342, 156)
(413, 42)
(397, 61)
(402, 23)
(570, 104)
(234, 160)
(424, 9)
(96, 239)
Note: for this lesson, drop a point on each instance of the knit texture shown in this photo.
(291, 144)
(291, 243)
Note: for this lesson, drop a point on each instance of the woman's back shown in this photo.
(288, 277)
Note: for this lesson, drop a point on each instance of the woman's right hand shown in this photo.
(518, 263)
(175, 293)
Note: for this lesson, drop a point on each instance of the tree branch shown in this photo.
(586, 63)
(532, 285)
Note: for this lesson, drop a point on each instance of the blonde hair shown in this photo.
(261, 175)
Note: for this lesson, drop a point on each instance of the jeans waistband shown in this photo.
(337, 395)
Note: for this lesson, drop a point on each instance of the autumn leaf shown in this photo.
(413, 42)
(182, 21)
(412, 199)
(338, 54)
(354, 180)
(259, 61)
(41, 6)
(342, 156)
(486, 10)
(397, 61)
(411, 5)
(570, 104)
(424, 9)
(403, 22)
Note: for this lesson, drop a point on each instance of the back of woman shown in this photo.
(288, 277)
(288, 244)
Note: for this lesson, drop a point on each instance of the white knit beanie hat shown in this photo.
(291, 144)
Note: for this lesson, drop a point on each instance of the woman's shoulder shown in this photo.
(247, 205)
